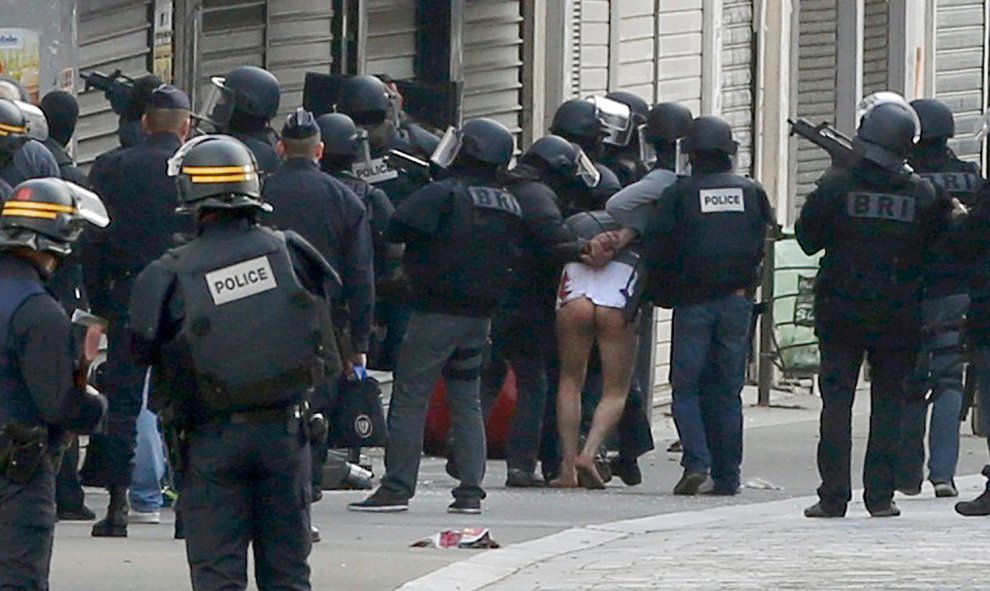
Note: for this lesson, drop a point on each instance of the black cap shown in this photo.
(300, 125)
(167, 96)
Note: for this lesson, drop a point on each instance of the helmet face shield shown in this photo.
(34, 120)
(448, 148)
(683, 161)
(89, 206)
(647, 153)
(876, 99)
(218, 103)
(616, 119)
(362, 146)
(586, 170)
(983, 130)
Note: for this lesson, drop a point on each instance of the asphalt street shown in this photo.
(372, 552)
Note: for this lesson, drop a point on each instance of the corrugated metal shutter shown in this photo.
(590, 47)
(875, 46)
(391, 38)
(959, 68)
(816, 86)
(679, 67)
(300, 33)
(637, 48)
(493, 61)
(233, 35)
(737, 77)
(112, 34)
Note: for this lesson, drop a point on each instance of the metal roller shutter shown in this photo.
(493, 61)
(737, 77)
(233, 35)
(960, 76)
(391, 38)
(299, 41)
(589, 47)
(113, 34)
(816, 87)
(637, 48)
(875, 46)
(679, 67)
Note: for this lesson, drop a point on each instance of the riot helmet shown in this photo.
(710, 134)
(483, 143)
(365, 99)
(20, 121)
(640, 108)
(48, 215)
(246, 91)
(216, 172)
(577, 120)
(937, 123)
(666, 125)
(558, 156)
(345, 142)
(11, 89)
(888, 130)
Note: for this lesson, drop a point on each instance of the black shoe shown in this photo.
(465, 506)
(114, 525)
(81, 513)
(945, 489)
(689, 483)
(978, 507)
(818, 510)
(382, 501)
(314, 534)
(317, 494)
(627, 471)
(517, 478)
(888, 510)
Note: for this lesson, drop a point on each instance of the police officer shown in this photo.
(455, 291)
(627, 161)
(579, 121)
(129, 105)
(708, 233)
(523, 323)
(242, 104)
(62, 112)
(874, 221)
(946, 299)
(141, 197)
(22, 155)
(632, 207)
(42, 396)
(234, 324)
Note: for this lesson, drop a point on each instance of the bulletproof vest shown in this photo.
(251, 330)
(959, 179)
(475, 248)
(16, 403)
(588, 224)
(875, 255)
(721, 231)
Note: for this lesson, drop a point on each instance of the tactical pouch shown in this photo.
(22, 451)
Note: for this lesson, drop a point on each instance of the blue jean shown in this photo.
(149, 461)
(941, 365)
(708, 368)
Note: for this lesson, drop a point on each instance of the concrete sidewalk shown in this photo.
(748, 547)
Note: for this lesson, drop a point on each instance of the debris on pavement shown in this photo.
(470, 538)
(760, 484)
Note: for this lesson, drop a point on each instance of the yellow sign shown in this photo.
(20, 58)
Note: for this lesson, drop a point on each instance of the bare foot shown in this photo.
(562, 482)
(587, 474)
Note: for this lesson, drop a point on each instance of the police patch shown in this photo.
(242, 280)
(721, 200)
(374, 171)
(363, 426)
(880, 206)
(488, 198)
(955, 182)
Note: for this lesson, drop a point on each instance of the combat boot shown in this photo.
(114, 525)
(978, 507)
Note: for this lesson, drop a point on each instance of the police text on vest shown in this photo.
(242, 280)
(721, 200)
(374, 171)
(880, 206)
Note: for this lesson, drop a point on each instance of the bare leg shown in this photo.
(575, 336)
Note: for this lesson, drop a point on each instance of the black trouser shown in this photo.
(27, 528)
(247, 484)
(840, 365)
(69, 494)
(526, 343)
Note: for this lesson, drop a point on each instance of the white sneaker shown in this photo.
(147, 517)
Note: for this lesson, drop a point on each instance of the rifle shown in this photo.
(826, 137)
(116, 87)
(409, 164)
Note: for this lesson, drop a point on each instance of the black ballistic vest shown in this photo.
(252, 331)
(721, 231)
(959, 179)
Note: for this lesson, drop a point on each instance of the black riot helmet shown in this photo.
(365, 99)
(479, 143)
(19, 121)
(667, 123)
(888, 130)
(48, 215)
(710, 134)
(344, 141)
(216, 172)
(577, 120)
(558, 156)
(937, 123)
(639, 107)
(246, 91)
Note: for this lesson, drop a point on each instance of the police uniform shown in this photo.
(454, 292)
(708, 236)
(235, 387)
(39, 396)
(262, 145)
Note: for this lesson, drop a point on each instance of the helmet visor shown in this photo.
(616, 118)
(218, 103)
(34, 120)
(89, 206)
(448, 148)
(983, 130)
(647, 153)
(586, 170)
(683, 161)
(888, 98)
(362, 146)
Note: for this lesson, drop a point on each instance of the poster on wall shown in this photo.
(20, 58)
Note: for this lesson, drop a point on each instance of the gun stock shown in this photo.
(826, 137)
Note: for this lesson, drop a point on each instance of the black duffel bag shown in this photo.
(357, 418)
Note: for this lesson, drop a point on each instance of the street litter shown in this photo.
(760, 484)
(469, 538)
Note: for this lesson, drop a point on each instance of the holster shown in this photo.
(23, 451)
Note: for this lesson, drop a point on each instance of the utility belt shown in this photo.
(24, 450)
(297, 416)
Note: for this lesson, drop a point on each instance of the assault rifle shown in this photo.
(117, 87)
(410, 164)
(828, 138)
